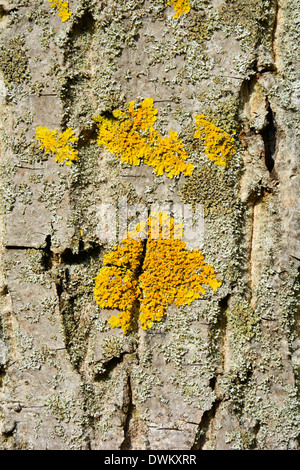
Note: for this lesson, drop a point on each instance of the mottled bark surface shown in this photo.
(222, 373)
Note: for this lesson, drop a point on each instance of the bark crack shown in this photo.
(269, 136)
(222, 326)
(2, 375)
(205, 425)
(130, 408)
(75, 330)
(207, 420)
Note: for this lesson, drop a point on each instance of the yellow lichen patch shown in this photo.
(63, 9)
(183, 272)
(219, 145)
(117, 282)
(180, 7)
(145, 277)
(60, 146)
(132, 137)
(169, 156)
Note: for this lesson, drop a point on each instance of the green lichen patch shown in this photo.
(112, 346)
(211, 186)
(244, 322)
(14, 61)
(198, 27)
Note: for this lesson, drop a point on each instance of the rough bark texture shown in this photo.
(222, 373)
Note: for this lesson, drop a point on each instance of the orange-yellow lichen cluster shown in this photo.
(219, 145)
(117, 282)
(63, 9)
(60, 146)
(150, 275)
(180, 7)
(132, 137)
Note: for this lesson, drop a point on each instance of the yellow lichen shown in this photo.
(180, 7)
(219, 145)
(144, 277)
(60, 146)
(117, 285)
(63, 9)
(132, 137)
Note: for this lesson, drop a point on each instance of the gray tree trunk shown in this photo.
(222, 373)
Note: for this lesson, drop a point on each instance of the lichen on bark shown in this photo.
(221, 373)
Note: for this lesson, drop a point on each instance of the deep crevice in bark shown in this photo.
(222, 327)
(21, 247)
(209, 415)
(255, 431)
(59, 290)
(207, 418)
(109, 366)
(83, 25)
(269, 135)
(75, 331)
(75, 337)
(83, 255)
(2, 375)
(48, 254)
(6, 10)
(66, 307)
(205, 425)
(126, 444)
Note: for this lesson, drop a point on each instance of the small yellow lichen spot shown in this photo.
(143, 278)
(180, 7)
(132, 137)
(219, 145)
(60, 146)
(63, 9)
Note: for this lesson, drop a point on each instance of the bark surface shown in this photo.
(222, 373)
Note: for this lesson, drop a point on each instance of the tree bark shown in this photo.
(223, 372)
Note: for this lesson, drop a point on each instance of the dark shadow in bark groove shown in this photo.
(109, 366)
(205, 424)
(255, 431)
(83, 256)
(2, 375)
(75, 331)
(126, 444)
(269, 136)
